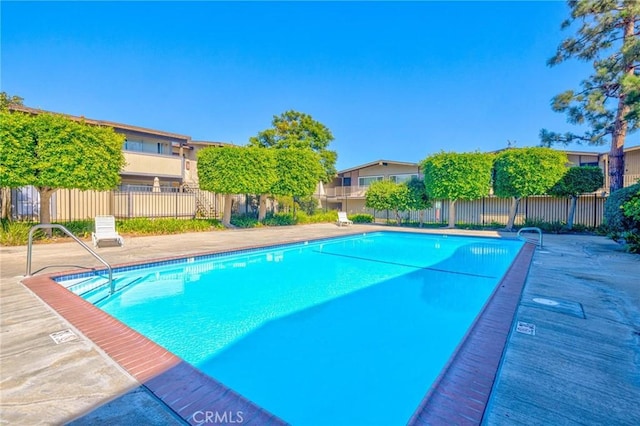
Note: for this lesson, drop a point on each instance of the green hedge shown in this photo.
(279, 219)
(17, 233)
(321, 217)
(614, 219)
(621, 214)
(360, 218)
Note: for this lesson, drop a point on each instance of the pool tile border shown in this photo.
(459, 395)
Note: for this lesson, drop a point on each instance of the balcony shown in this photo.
(141, 164)
(340, 192)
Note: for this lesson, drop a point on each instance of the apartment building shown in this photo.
(347, 191)
(154, 158)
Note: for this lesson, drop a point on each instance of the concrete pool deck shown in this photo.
(575, 369)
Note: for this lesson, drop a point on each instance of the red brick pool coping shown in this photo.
(458, 396)
(461, 392)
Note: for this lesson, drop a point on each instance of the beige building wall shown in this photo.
(632, 166)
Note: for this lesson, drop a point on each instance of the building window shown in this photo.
(346, 181)
(148, 147)
(368, 180)
(403, 177)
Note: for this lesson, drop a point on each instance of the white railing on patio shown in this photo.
(346, 191)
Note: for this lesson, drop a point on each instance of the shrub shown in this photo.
(360, 218)
(319, 217)
(632, 240)
(245, 221)
(163, 226)
(308, 205)
(279, 219)
(556, 227)
(614, 219)
(17, 233)
(631, 209)
(79, 228)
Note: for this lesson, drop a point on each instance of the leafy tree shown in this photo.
(298, 170)
(417, 197)
(5, 195)
(608, 102)
(293, 129)
(387, 195)
(457, 176)
(6, 100)
(522, 172)
(51, 151)
(236, 170)
(577, 181)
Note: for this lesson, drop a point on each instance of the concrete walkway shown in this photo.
(574, 370)
(582, 366)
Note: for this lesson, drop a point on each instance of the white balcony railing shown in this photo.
(346, 191)
(152, 164)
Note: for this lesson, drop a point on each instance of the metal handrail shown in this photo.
(532, 229)
(66, 231)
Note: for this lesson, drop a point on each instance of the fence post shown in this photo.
(595, 210)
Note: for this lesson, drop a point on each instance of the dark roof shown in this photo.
(379, 163)
(102, 123)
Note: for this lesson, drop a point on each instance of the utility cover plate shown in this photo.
(63, 336)
(526, 328)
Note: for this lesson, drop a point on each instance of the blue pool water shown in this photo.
(343, 331)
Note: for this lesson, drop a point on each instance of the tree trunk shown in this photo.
(6, 203)
(226, 215)
(513, 211)
(620, 125)
(452, 214)
(262, 210)
(572, 212)
(45, 207)
(421, 216)
(398, 220)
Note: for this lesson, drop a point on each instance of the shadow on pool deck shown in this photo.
(573, 370)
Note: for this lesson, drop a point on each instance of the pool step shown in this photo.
(87, 284)
(100, 292)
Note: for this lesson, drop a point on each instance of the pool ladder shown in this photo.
(76, 239)
(530, 229)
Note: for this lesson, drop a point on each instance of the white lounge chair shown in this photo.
(343, 219)
(105, 230)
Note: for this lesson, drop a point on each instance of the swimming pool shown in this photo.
(338, 326)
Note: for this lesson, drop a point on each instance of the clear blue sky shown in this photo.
(396, 81)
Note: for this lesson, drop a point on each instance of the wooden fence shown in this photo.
(68, 205)
(493, 210)
(72, 204)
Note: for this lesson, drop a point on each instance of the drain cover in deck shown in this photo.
(526, 328)
(63, 336)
